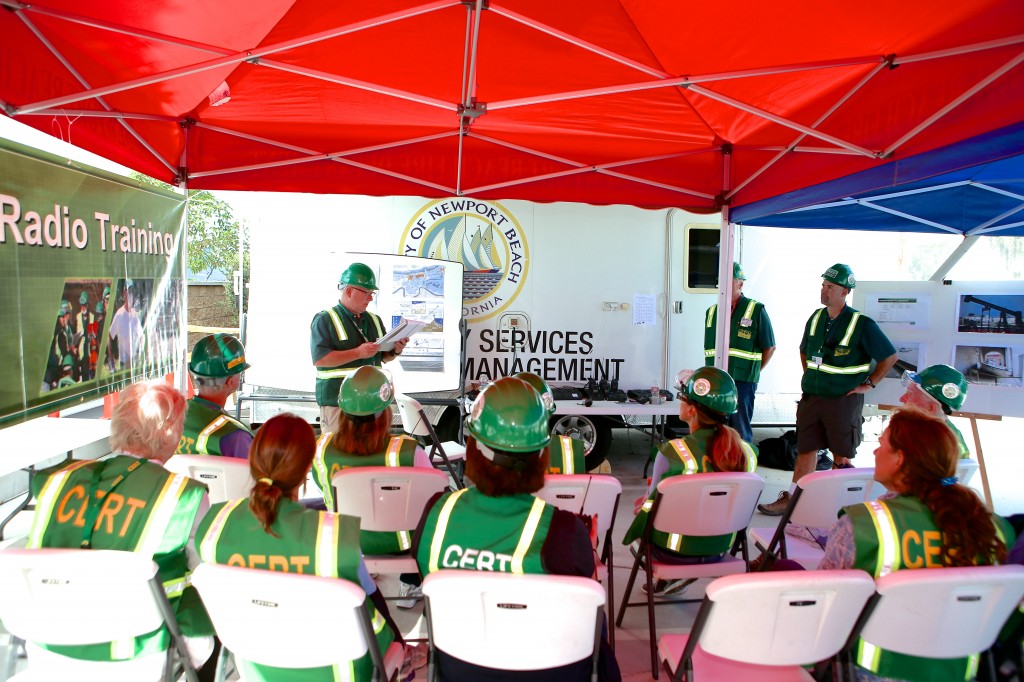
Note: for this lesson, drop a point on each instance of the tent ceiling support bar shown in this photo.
(391, 174)
(831, 110)
(954, 258)
(255, 138)
(1008, 66)
(85, 84)
(907, 216)
(93, 113)
(994, 230)
(652, 183)
(238, 57)
(996, 190)
(956, 51)
(742, 106)
(984, 227)
(357, 84)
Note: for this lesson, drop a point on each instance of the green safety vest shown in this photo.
(961, 444)
(744, 355)
(344, 334)
(469, 530)
(686, 456)
(308, 542)
(567, 456)
(205, 426)
(151, 511)
(842, 368)
(329, 460)
(892, 535)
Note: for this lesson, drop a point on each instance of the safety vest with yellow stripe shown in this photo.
(469, 530)
(151, 511)
(835, 360)
(205, 426)
(308, 542)
(895, 534)
(686, 456)
(744, 330)
(961, 444)
(567, 456)
(335, 328)
(329, 460)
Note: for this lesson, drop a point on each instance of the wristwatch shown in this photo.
(869, 382)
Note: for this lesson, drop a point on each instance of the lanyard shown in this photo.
(93, 505)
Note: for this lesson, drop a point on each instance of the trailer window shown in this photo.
(702, 257)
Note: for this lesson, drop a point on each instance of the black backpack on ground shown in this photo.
(781, 452)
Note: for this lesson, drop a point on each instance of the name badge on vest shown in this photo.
(816, 359)
(842, 350)
(746, 322)
(744, 334)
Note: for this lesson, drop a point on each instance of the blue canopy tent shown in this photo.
(973, 187)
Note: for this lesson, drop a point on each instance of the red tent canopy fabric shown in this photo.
(652, 103)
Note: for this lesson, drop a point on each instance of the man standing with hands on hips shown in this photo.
(836, 354)
(344, 338)
(751, 345)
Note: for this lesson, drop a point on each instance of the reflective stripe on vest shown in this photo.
(442, 526)
(339, 328)
(393, 451)
(734, 352)
(529, 530)
(336, 373)
(212, 428)
(326, 560)
(888, 539)
(47, 499)
(320, 465)
(685, 456)
(208, 545)
(751, 457)
(847, 335)
(160, 518)
(566, 443)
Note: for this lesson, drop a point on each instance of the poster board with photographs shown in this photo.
(977, 327)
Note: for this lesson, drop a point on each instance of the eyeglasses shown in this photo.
(365, 292)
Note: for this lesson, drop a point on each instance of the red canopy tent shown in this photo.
(655, 103)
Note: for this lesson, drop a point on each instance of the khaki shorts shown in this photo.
(833, 423)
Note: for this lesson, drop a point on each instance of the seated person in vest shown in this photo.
(499, 525)
(271, 530)
(936, 523)
(567, 456)
(363, 439)
(128, 503)
(938, 390)
(216, 367)
(707, 397)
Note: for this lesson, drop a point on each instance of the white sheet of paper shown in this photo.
(643, 309)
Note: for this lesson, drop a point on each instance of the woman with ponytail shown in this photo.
(271, 530)
(930, 521)
(706, 399)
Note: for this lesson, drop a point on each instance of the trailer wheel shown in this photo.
(595, 432)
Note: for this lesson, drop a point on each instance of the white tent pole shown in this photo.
(953, 259)
(726, 247)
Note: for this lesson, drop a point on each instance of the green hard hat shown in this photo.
(359, 275)
(65, 308)
(367, 391)
(99, 307)
(509, 415)
(737, 271)
(541, 387)
(711, 387)
(218, 355)
(106, 292)
(942, 382)
(83, 298)
(840, 274)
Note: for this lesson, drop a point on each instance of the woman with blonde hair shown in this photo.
(926, 520)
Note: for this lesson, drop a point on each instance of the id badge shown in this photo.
(746, 322)
(816, 359)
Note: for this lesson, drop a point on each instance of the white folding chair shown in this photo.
(816, 503)
(77, 597)
(513, 622)
(390, 500)
(416, 424)
(590, 495)
(766, 626)
(289, 620)
(965, 470)
(943, 612)
(719, 503)
(226, 478)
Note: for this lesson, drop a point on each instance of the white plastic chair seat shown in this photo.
(709, 667)
(227, 478)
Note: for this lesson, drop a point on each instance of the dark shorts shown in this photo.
(833, 423)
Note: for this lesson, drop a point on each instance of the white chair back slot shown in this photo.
(943, 613)
(386, 498)
(513, 622)
(226, 478)
(708, 504)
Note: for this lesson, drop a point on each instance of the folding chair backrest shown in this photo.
(783, 618)
(707, 504)
(513, 622)
(286, 620)
(386, 498)
(74, 596)
(227, 478)
(411, 413)
(965, 469)
(943, 612)
(824, 493)
(588, 494)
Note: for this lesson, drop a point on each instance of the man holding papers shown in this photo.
(344, 338)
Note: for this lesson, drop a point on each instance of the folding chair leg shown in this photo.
(652, 627)
(607, 560)
(629, 590)
(11, 661)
